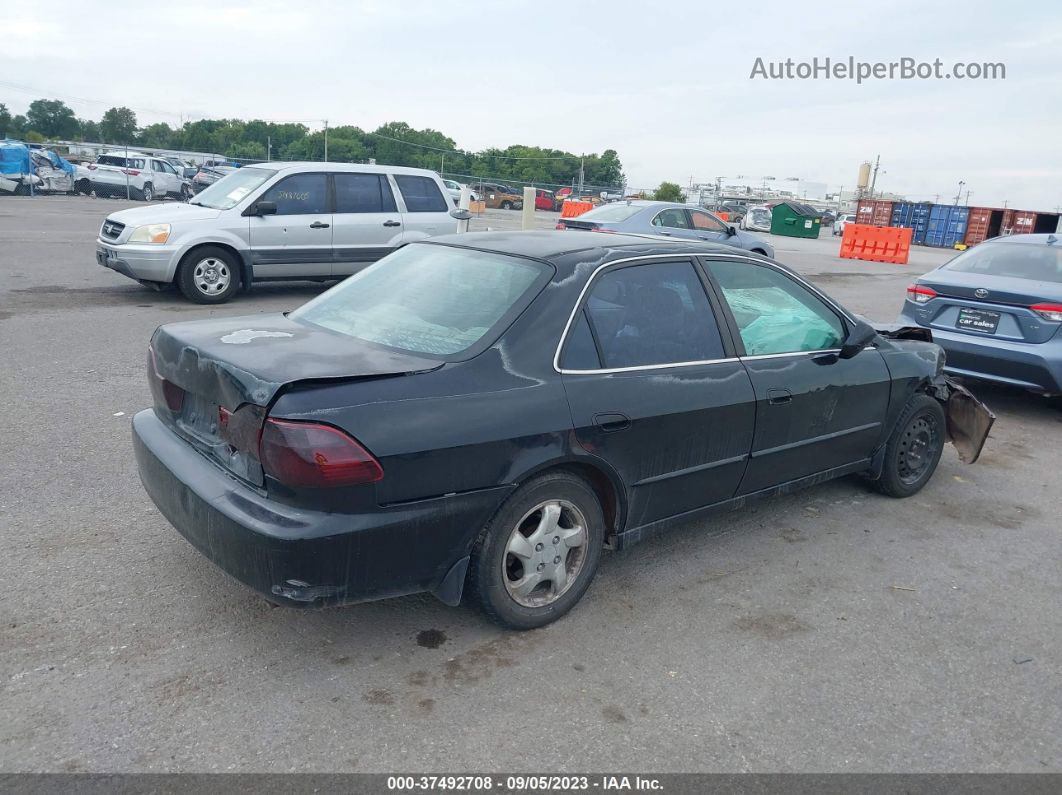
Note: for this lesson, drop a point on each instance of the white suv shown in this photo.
(314, 221)
(144, 177)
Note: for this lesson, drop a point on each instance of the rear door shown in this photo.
(297, 241)
(654, 387)
(366, 223)
(426, 212)
(674, 222)
(814, 412)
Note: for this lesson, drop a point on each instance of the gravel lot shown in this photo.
(831, 630)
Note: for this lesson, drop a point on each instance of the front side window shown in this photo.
(363, 193)
(652, 314)
(674, 218)
(429, 299)
(774, 313)
(299, 194)
(706, 223)
(421, 194)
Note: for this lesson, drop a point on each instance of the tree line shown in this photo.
(394, 143)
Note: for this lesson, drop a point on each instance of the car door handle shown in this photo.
(392, 223)
(319, 225)
(777, 397)
(665, 233)
(612, 422)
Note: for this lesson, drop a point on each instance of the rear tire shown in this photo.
(913, 450)
(145, 194)
(553, 525)
(208, 275)
(507, 205)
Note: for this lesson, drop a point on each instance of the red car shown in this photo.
(545, 200)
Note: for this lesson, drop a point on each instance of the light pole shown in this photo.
(959, 194)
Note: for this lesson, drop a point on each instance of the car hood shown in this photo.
(169, 213)
(248, 359)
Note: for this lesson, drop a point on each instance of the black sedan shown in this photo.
(482, 414)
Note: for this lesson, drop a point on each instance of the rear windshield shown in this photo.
(231, 189)
(1034, 261)
(610, 212)
(429, 299)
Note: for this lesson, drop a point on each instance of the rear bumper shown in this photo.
(300, 557)
(1035, 366)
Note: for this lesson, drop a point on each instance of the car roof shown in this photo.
(1040, 238)
(317, 165)
(554, 245)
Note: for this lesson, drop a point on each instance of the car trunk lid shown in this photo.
(214, 380)
(986, 305)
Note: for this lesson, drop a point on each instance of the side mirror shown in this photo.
(265, 208)
(858, 338)
(731, 231)
(460, 214)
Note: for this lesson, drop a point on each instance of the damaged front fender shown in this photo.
(968, 419)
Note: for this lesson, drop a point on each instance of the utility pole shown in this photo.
(959, 194)
(581, 173)
(326, 139)
(874, 179)
(967, 202)
(269, 148)
(1005, 204)
(442, 163)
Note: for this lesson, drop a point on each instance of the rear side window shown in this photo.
(653, 314)
(674, 218)
(299, 194)
(580, 353)
(363, 193)
(1016, 260)
(422, 195)
(611, 212)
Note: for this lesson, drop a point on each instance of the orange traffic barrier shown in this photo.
(572, 209)
(876, 243)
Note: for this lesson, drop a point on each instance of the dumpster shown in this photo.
(795, 220)
(909, 215)
(947, 225)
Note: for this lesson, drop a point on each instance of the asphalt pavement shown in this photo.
(830, 630)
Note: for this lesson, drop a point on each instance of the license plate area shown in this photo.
(982, 320)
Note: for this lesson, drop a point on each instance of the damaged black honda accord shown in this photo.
(483, 414)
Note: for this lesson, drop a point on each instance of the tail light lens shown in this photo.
(1052, 312)
(165, 393)
(920, 294)
(313, 455)
(561, 225)
(91, 168)
(132, 172)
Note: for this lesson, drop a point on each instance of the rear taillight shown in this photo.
(91, 168)
(1052, 312)
(312, 455)
(920, 294)
(132, 172)
(561, 225)
(166, 393)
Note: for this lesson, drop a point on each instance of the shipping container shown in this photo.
(1024, 222)
(947, 225)
(1046, 223)
(874, 213)
(907, 215)
(984, 222)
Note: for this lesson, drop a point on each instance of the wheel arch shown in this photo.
(241, 261)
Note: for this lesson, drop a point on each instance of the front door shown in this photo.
(297, 241)
(366, 224)
(655, 390)
(707, 227)
(814, 411)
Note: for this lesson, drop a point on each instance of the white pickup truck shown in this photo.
(147, 177)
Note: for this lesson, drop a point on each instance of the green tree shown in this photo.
(90, 130)
(18, 126)
(5, 120)
(159, 136)
(33, 137)
(118, 126)
(52, 118)
(668, 192)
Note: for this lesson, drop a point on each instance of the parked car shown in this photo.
(996, 310)
(498, 196)
(481, 414)
(585, 195)
(454, 189)
(667, 219)
(840, 222)
(828, 217)
(757, 219)
(208, 175)
(545, 200)
(184, 169)
(145, 177)
(23, 167)
(275, 221)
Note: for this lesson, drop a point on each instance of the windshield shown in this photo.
(427, 299)
(610, 212)
(1018, 260)
(230, 190)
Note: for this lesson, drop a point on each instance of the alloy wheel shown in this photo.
(545, 553)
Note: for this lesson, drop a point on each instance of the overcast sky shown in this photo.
(666, 85)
